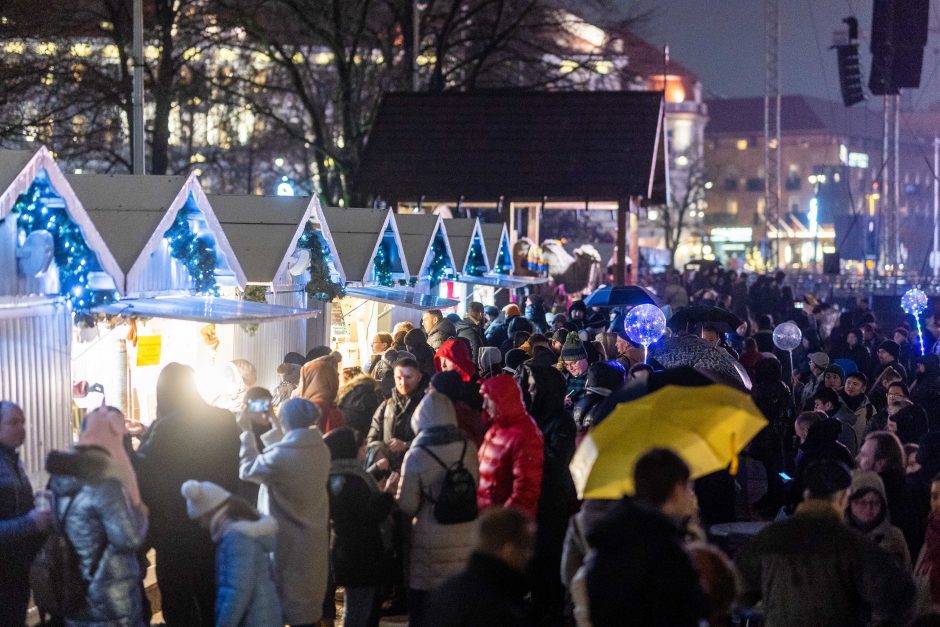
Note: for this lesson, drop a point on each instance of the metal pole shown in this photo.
(772, 148)
(935, 261)
(137, 96)
(416, 46)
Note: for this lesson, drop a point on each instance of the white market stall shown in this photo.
(288, 260)
(429, 256)
(371, 258)
(53, 261)
(469, 250)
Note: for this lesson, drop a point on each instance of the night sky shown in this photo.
(723, 42)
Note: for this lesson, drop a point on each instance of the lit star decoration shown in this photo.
(42, 208)
(440, 266)
(195, 252)
(644, 325)
(914, 303)
(320, 286)
(476, 264)
(382, 265)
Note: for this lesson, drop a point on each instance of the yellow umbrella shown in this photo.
(707, 426)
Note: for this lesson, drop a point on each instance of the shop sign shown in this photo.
(148, 350)
(731, 234)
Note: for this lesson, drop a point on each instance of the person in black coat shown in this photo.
(391, 430)
(819, 436)
(22, 525)
(925, 391)
(358, 399)
(416, 341)
(640, 572)
(603, 378)
(544, 393)
(774, 400)
(491, 590)
(362, 555)
(190, 440)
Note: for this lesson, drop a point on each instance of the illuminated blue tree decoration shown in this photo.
(382, 264)
(503, 258)
(195, 252)
(321, 285)
(440, 265)
(476, 263)
(644, 325)
(41, 208)
(914, 303)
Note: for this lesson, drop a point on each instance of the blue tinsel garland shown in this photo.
(41, 208)
(194, 252)
(476, 264)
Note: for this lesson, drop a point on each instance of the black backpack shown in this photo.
(55, 575)
(457, 501)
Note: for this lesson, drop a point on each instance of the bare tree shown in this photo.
(687, 194)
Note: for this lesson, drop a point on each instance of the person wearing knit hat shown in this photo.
(511, 310)
(891, 348)
(574, 360)
(343, 443)
(514, 359)
(834, 377)
(292, 472)
(558, 340)
(246, 592)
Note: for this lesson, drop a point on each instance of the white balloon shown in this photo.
(787, 336)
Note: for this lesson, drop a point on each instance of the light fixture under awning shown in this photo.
(401, 297)
(205, 309)
(502, 280)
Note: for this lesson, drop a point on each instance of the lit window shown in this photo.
(80, 50)
(323, 58)
(741, 144)
(682, 161)
(603, 67)
(567, 66)
(46, 48)
(14, 47)
(731, 207)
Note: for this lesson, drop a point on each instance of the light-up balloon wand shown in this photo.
(644, 325)
(787, 336)
(914, 302)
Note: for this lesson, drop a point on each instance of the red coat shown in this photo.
(457, 351)
(512, 451)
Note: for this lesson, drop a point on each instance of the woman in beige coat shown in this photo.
(437, 551)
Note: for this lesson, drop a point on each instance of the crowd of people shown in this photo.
(435, 481)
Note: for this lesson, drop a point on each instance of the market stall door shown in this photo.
(35, 362)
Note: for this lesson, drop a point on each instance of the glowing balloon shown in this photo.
(645, 324)
(914, 302)
(787, 336)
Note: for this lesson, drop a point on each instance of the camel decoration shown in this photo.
(576, 274)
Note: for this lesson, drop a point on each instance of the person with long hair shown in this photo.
(244, 576)
(319, 384)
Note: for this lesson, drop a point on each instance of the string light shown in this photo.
(195, 252)
(41, 208)
(321, 286)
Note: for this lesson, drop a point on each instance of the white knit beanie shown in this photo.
(202, 497)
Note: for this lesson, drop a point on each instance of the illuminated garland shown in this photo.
(320, 285)
(382, 265)
(476, 264)
(503, 260)
(254, 294)
(439, 266)
(194, 252)
(36, 211)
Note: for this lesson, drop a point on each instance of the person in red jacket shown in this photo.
(512, 451)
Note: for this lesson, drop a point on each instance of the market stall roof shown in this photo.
(205, 309)
(494, 279)
(135, 212)
(495, 236)
(356, 235)
(401, 297)
(463, 234)
(264, 231)
(520, 145)
(418, 232)
(18, 170)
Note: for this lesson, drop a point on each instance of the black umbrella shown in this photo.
(703, 314)
(619, 296)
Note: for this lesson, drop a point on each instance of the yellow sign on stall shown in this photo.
(148, 350)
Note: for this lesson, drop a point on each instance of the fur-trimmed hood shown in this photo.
(83, 464)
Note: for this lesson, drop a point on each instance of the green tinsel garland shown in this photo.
(254, 294)
(320, 285)
(440, 265)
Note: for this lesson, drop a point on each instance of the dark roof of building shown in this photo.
(520, 145)
(798, 114)
(646, 60)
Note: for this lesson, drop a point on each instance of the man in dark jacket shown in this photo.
(813, 570)
(188, 440)
(471, 329)
(416, 341)
(391, 423)
(640, 572)
(437, 327)
(21, 523)
(491, 590)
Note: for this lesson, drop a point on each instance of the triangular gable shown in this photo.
(356, 235)
(263, 230)
(136, 211)
(418, 233)
(465, 236)
(496, 238)
(18, 171)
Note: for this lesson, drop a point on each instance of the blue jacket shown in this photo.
(244, 575)
(106, 533)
